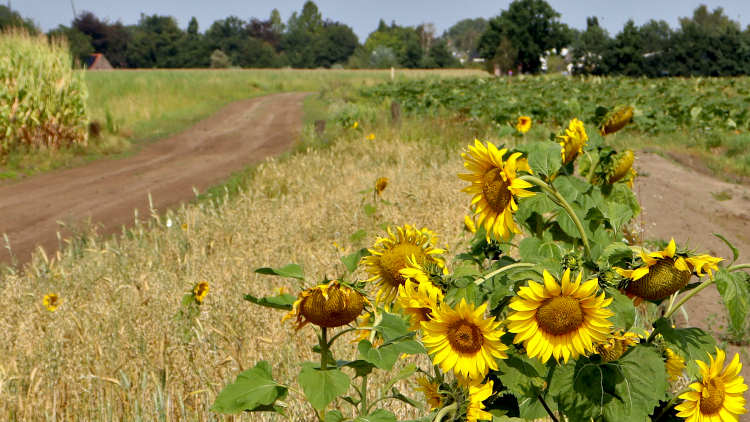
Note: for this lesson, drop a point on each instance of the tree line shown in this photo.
(527, 37)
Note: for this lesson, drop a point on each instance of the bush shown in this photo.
(42, 98)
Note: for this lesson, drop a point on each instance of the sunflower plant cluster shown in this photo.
(550, 312)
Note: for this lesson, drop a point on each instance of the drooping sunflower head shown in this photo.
(380, 185)
(559, 319)
(431, 391)
(573, 141)
(622, 165)
(616, 345)
(200, 290)
(495, 186)
(327, 305)
(718, 396)
(418, 300)
(665, 272)
(51, 301)
(391, 254)
(463, 340)
(616, 121)
(478, 393)
(675, 364)
(524, 124)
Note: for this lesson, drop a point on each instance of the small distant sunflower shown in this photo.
(327, 305)
(675, 364)
(561, 320)
(665, 272)
(718, 396)
(418, 300)
(495, 186)
(200, 290)
(573, 141)
(431, 392)
(380, 185)
(463, 340)
(478, 393)
(524, 124)
(51, 301)
(616, 121)
(391, 254)
(469, 224)
(615, 346)
(355, 124)
(371, 137)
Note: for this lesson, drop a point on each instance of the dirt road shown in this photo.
(108, 191)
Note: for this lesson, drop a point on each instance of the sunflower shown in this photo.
(561, 320)
(615, 346)
(391, 254)
(665, 272)
(463, 340)
(418, 300)
(495, 186)
(718, 397)
(370, 137)
(675, 364)
(51, 301)
(573, 141)
(524, 124)
(623, 163)
(200, 290)
(616, 121)
(380, 185)
(477, 394)
(327, 305)
(431, 392)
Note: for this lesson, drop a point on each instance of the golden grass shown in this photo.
(116, 350)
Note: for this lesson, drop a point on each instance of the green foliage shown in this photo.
(322, 387)
(734, 289)
(690, 343)
(253, 390)
(282, 301)
(289, 270)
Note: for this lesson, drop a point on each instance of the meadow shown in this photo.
(122, 344)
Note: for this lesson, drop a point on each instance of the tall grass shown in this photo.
(42, 99)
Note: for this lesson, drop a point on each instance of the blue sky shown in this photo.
(363, 16)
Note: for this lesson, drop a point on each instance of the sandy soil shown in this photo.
(690, 206)
(108, 191)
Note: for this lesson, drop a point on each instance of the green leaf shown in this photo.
(253, 390)
(392, 326)
(358, 235)
(383, 357)
(623, 308)
(625, 390)
(615, 252)
(322, 387)
(379, 415)
(570, 187)
(352, 260)
(617, 214)
(734, 289)
(690, 343)
(404, 373)
(533, 249)
(282, 301)
(522, 375)
(333, 416)
(566, 223)
(539, 203)
(369, 209)
(290, 270)
(735, 252)
(621, 194)
(544, 157)
(361, 367)
(187, 299)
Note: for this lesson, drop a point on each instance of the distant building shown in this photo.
(97, 61)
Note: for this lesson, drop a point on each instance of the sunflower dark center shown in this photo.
(560, 315)
(712, 398)
(465, 337)
(662, 280)
(395, 260)
(495, 190)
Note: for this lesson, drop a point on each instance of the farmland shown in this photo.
(123, 344)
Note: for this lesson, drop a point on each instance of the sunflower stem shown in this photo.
(738, 267)
(339, 334)
(687, 297)
(363, 399)
(594, 164)
(560, 200)
(500, 270)
(323, 348)
(451, 408)
(546, 407)
(670, 403)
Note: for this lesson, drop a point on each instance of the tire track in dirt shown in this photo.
(108, 191)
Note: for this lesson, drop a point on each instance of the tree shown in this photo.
(78, 42)
(228, 36)
(335, 44)
(589, 48)
(9, 18)
(109, 39)
(192, 49)
(463, 37)
(219, 60)
(403, 42)
(625, 56)
(532, 28)
(441, 56)
(155, 43)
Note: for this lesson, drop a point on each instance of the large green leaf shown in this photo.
(379, 415)
(617, 214)
(623, 308)
(614, 253)
(625, 390)
(253, 390)
(352, 260)
(392, 326)
(734, 289)
(282, 301)
(544, 157)
(522, 375)
(690, 343)
(568, 226)
(290, 270)
(322, 387)
(570, 187)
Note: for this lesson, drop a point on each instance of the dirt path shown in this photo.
(690, 206)
(108, 191)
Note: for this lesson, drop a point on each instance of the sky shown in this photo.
(363, 15)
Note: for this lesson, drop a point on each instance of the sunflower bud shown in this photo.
(617, 121)
(615, 346)
(570, 261)
(623, 163)
(662, 280)
(327, 305)
(380, 185)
